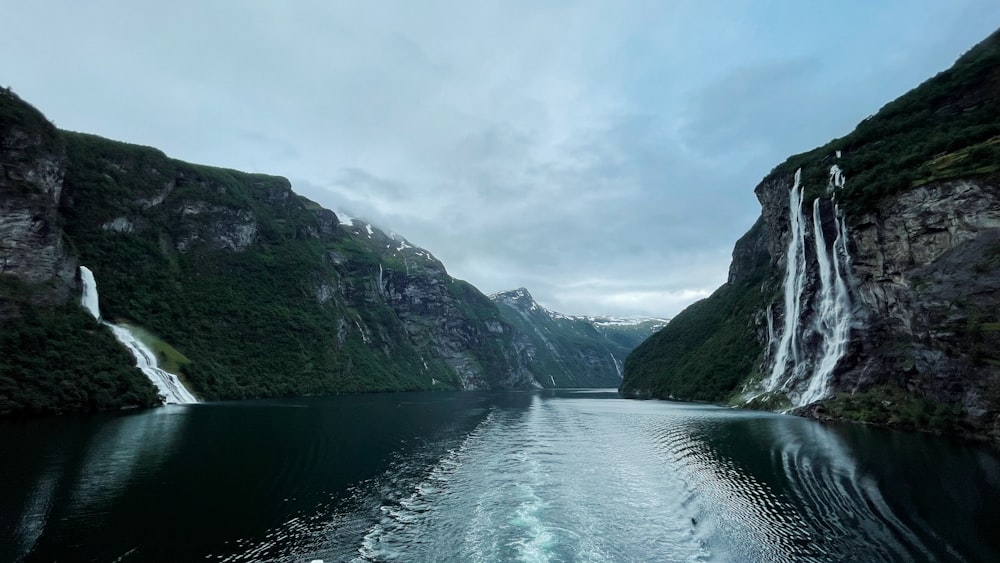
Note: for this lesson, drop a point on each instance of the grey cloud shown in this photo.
(602, 155)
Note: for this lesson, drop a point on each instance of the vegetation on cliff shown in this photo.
(948, 127)
(59, 359)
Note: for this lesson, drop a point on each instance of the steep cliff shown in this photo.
(34, 160)
(44, 335)
(253, 290)
(868, 289)
(565, 351)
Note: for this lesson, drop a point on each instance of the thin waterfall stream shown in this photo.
(169, 386)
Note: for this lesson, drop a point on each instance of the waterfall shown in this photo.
(89, 299)
(795, 278)
(170, 388)
(618, 365)
(770, 330)
(816, 325)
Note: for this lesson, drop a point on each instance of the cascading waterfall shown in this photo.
(618, 366)
(770, 328)
(795, 278)
(822, 318)
(381, 281)
(171, 390)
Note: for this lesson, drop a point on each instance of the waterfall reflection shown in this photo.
(784, 488)
(112, 453)
(117, 448)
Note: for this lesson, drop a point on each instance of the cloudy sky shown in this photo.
(602, 154)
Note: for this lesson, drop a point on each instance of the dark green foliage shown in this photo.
(709, 348)
(62, 360)
(948, 127)
(892, 406)
(16, 113)
(704, 353)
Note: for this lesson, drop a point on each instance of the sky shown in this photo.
(601, 154)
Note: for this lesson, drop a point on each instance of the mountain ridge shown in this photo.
(542, 337)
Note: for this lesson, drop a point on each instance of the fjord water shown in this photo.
(531, 476)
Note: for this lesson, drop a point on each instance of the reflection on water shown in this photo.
(534, 476)
(35, 514)
(115, 452)
(113, 449)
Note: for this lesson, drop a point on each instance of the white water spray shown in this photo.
(89, 299)
(795, 278)
(770, 330)
(169, 385)
(821, 319)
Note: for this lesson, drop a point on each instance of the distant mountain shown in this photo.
(565, 351)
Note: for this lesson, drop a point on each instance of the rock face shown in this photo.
(925, 285)
(927, 264)
(914, 194)
(34, 160)
(564, 351)
(53, 356)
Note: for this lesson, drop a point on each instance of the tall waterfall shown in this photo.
(169, 385)
(817, 322)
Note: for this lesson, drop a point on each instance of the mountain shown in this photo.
(564, 351)
(869, 288)
(244, 287)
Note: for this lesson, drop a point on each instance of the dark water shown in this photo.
(537, 476)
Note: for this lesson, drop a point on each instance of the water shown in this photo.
(817, 322)
(168, 385)
(794, 285)
(530, 476)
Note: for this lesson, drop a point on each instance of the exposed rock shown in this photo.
(218, 226)
(33, 161)
(119, 225)
(927, 268)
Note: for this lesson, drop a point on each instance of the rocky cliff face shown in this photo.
(53, 356)
(33, 163)
(927, 265)
(925, 290)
